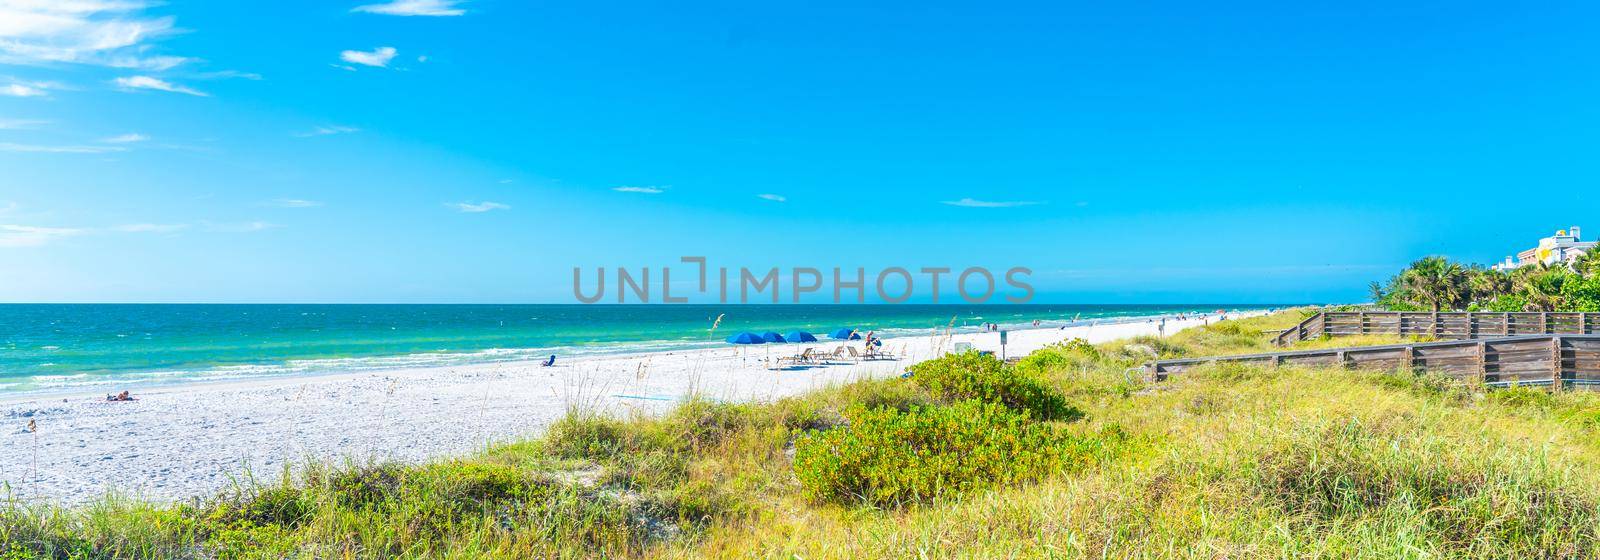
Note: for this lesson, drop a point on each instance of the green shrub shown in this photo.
(586, 436)
(1074, 353)
(471, 485)
(970, 375)
(885, 457)
(361, 486)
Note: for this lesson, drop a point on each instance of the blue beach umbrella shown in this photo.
(772, 337)
(845, 334)
(800, 336)
(746, 338)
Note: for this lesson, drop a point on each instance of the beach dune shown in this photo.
(184, 441)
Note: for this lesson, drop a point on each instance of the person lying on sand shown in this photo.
(120, 397)
(549, 362)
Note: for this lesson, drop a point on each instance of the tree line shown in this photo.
(1440, 284)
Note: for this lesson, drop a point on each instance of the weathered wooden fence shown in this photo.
(1549, 360)
(1456, 325)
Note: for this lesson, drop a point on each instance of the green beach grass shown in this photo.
(1067, 454)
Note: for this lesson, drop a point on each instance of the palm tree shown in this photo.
(1487, 284)
(1542, 286)
(1588, 264)
(1435, 282)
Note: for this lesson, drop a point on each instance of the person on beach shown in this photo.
(120, 397)
(549, 362)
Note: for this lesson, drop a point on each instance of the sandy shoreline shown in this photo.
(181, 441)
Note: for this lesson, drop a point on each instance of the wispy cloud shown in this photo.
(327, 131)
(227, 74)
(7, 207)
(414, 8)
(972, 203)
(378, 57)
(101, 32)
(14, 235)
(20, 124)
(147, 82)
(645, 190)
(128, 138)
(478, 208)
(33, 148)
(293, 203)
(151, 228)
(239, 227)
(773, 197)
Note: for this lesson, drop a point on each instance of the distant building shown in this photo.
(1562, 248)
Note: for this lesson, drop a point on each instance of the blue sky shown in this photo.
(476, 151)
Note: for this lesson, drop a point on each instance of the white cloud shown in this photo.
(645, 190)
(378, 57)
(327, 131)
(10, 147)
(151, 228)
(128, 138)
(294, 203)
(12, 235)
(971, 203)
(773, 197)
(7, 207)
(147, 82)
(240, 227)
(481, 207)
(19, 89)
(414, 8)
(101, 32)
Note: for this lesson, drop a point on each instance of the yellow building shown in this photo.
(1562, 248)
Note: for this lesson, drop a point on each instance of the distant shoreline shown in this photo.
(157, 346)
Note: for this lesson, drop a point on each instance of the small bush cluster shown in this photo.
(885, 457)
(970, 375)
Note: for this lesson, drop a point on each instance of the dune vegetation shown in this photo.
(1068, 453)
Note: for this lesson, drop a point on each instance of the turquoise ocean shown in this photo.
(67, 347)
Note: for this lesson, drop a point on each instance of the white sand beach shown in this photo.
(180, 442)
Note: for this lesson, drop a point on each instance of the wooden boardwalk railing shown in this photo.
(1455, 325)
(1552, 360)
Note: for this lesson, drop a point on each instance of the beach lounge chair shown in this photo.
(549, 362)
(837, 354)
(804, 357)
(880, 354)
(854, 355)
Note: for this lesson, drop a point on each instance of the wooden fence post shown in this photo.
(1544, 321)
(1555, 363)
(1362, 315)
(1505, 324)
(1483, 362)
(1408, 359)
